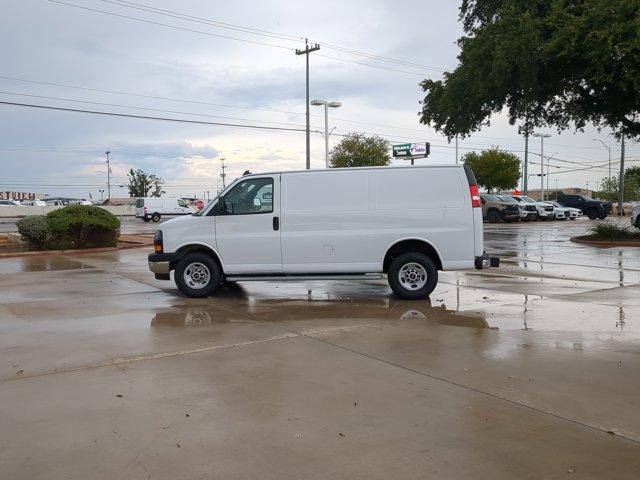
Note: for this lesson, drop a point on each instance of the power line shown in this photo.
(267, 33)
(146, 117)
(255, 42)
(175, 27)
(139, 108)
(193, 18)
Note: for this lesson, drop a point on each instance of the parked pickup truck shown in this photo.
(590, 207)
(330, 224)
(496, 210)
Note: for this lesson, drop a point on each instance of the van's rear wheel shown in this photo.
(412, 276)
(155, 217)
(197, 275)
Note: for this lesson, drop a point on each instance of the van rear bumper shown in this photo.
(485, 261)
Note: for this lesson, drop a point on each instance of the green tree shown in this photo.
(359, 150)
(142, 184)
(553, 62)
(610, 189)
(494, 168)
(632, 174)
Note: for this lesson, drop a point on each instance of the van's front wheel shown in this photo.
(197, 275)
(412, 276)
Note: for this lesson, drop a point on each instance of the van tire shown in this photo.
(191, 268)
(155, 217)
(417, 266)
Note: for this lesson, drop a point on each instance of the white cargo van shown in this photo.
(348, 223)
(152, 208)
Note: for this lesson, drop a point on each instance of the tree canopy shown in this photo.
(546, 62)
(494, 169)
(142, 184)
(359, 150)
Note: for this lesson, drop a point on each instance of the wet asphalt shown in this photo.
(526, 371)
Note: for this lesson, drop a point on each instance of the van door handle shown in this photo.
(276, 223)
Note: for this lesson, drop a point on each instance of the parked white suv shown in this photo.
(545, 210)
(344, 223)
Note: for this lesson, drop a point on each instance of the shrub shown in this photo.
(34, 230)
(82, 226)
(612, 231)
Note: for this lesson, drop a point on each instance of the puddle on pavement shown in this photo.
(40, 264)
(205, 313)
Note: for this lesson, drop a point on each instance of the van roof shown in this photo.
(391, 167)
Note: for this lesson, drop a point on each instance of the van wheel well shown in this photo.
(411, 246)
(182, 251)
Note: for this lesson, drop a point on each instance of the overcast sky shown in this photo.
(203, 76)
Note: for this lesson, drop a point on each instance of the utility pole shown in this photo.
(107, 152)
(621, 186)
(222, 174)
(307, 50)
(457, 161)
(542, 137)
(525, 181)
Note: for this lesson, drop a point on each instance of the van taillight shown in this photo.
(475, 196)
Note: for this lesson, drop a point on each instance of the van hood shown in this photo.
(173, 221)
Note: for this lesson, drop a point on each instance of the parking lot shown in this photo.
(526, 371)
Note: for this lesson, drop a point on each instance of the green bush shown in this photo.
(82, 226)
(34, 230)
(612, 231)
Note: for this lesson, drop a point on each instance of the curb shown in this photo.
(69, 252)
(605, 243)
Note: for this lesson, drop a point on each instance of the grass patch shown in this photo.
(612, 231)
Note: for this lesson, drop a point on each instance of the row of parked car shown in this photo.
(512, 208)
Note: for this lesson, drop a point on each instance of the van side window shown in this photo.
(254, 195)
(182, 203)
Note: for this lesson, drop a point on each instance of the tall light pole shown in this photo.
(307, 50)
(327, 105)
(107, 152)
(542, 137)
(609, 150)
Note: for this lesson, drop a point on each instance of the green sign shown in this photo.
(411, 150)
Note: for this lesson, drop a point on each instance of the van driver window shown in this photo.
(253, 195)
(182, 203)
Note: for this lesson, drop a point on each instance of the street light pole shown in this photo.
(326, 124)
(542, 137)
(107, 152)
(609, 150)
(307, 50)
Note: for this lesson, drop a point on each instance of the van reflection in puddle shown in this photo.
(207, 313)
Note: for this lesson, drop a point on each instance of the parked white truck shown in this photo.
(348, 223)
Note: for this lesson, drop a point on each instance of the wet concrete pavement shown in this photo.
(527, 371)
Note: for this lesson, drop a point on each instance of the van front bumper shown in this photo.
(160, 264)
(485, 261)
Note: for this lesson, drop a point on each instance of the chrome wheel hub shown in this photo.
(412, 276)
(196, 275)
